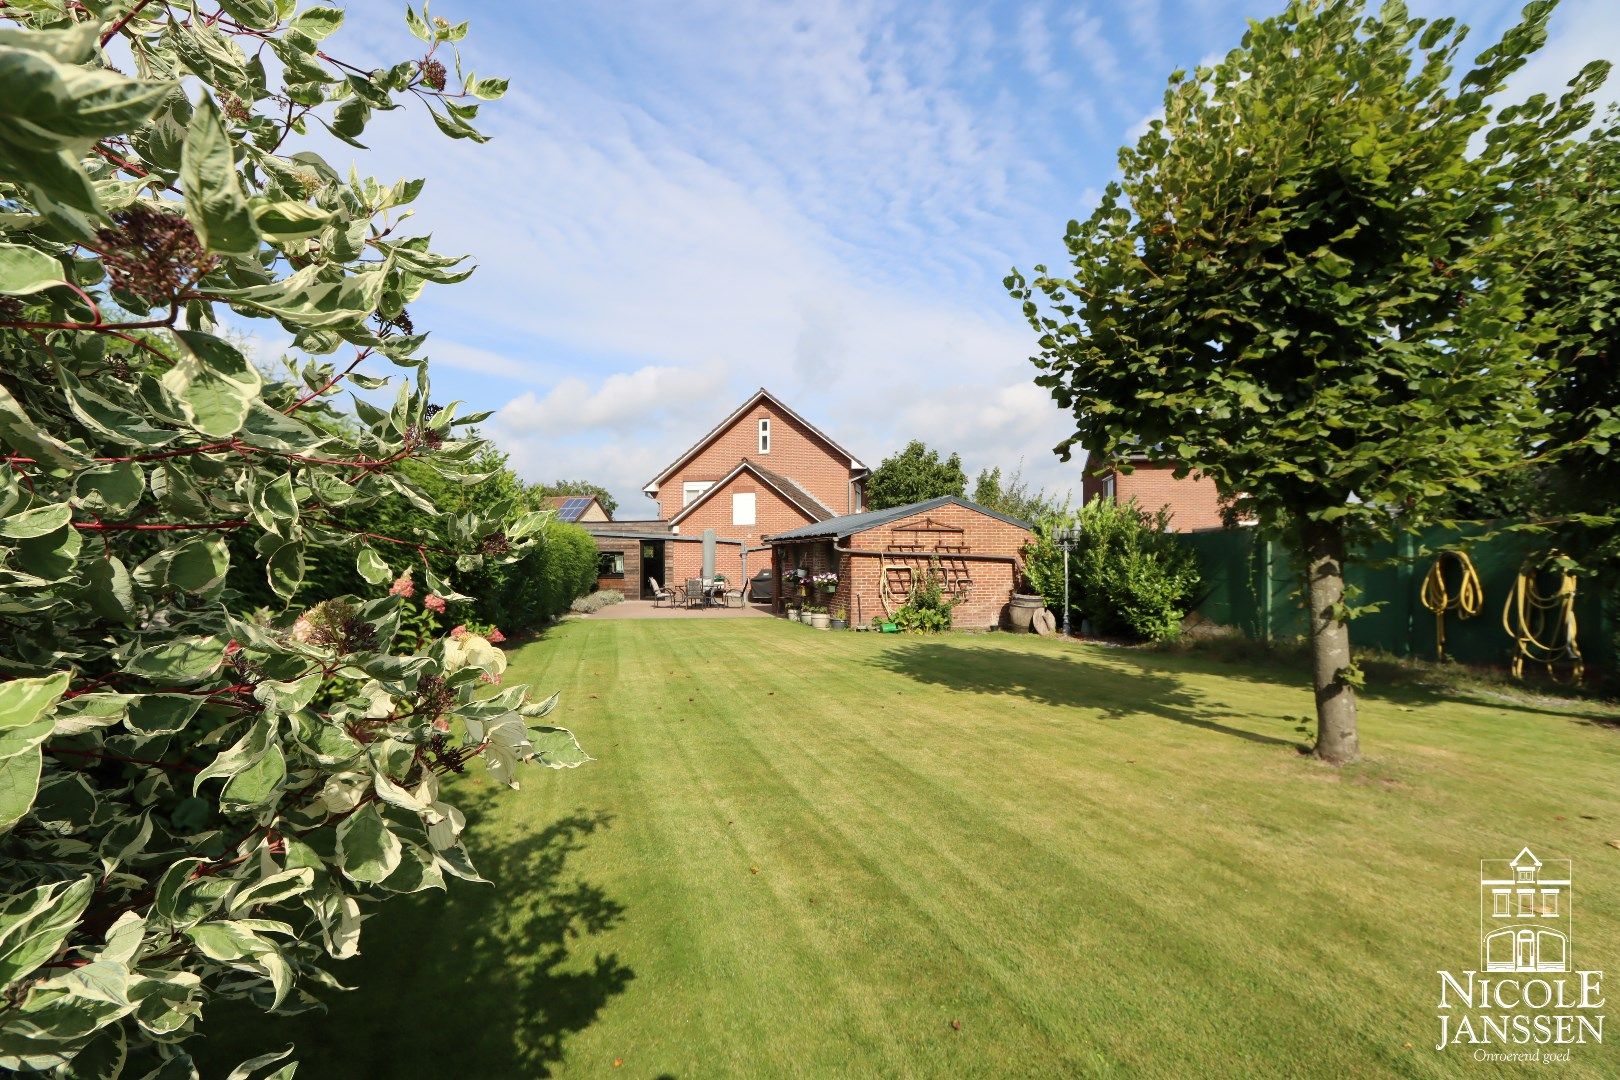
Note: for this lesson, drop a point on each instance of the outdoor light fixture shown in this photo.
(1067, 538)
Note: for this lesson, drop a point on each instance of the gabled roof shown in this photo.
(812, 507)
(850, 524)
(572, 507)
(762, 394)
(1525, 858)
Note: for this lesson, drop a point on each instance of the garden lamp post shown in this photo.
(1068, 538)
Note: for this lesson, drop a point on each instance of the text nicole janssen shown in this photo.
(1480, 1010)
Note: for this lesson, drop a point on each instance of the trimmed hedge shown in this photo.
(542, 585)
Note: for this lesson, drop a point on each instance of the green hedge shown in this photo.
(540, 586)
(516, 598)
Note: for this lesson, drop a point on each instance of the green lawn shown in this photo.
(803, 853)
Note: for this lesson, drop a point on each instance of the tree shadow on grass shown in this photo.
(1066, 681)
(489, 980)
(1412, 683)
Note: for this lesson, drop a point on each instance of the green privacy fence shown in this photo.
(1253, 584)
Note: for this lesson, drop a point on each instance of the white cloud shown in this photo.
(622, 402)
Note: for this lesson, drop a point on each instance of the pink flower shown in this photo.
(459, 632)
(441, 724)
(303, 629)
(496, 637)
(493, 680)
(433, 602)
(403, 586)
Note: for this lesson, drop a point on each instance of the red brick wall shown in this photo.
(685, 561)
(796, 452)
(988, 585)
(772, 513)
(1193, 501)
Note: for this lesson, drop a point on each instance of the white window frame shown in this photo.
(1549, 903)
(691, 490)
(765, 436)
(1503, 903)
(740, 500)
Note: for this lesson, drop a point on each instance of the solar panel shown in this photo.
(573, 507)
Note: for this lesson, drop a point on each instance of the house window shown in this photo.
(1549, 903)
(610, 564)
(1108, 487)
(1527, 873)
(742, 508)
(764, 436)
(1527, 901)
(1501, 900)
(692, 489)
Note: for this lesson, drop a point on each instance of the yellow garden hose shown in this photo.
(1542, 625)
(1438, 598)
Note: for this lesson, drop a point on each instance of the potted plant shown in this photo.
(826, 582)
(793, 613)
(817, 617)
(839, 619)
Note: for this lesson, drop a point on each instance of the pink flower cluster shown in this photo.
(496, 637)
(403, 586)
(459, 632)
(434, 602)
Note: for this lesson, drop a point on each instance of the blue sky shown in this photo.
(683, 202)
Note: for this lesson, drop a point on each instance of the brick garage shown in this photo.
(877, 555)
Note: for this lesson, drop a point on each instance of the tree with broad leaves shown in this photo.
(914, 474)
(199, 800)
(1306, 285)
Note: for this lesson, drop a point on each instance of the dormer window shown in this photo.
(764, 436)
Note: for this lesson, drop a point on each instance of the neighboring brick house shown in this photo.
(878, 554)
(1193, 501)
(762, 469)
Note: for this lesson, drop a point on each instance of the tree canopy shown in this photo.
(914, 474)
(1012, 495)
(1305, 285)
(204, 783)
(582, 487)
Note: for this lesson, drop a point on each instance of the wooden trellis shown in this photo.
(924, 543)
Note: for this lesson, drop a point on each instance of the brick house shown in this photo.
(763, 469)
(879, 554)
(1193, 501)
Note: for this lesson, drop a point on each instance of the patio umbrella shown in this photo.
(708, 554)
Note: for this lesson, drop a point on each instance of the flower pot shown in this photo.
(839, 624)
(793, 614)
(1022, 610)
(829, 589)
(820, 620)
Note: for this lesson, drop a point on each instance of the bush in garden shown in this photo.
(927, 609)
(596, 601)
(1128, 575)
(205, 783)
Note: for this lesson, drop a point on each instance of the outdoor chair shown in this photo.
(660, 595)
(694, 593)
(733, 596)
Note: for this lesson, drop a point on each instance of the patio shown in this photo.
(644, 609)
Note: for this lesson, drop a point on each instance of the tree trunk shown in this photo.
(1336, 740)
